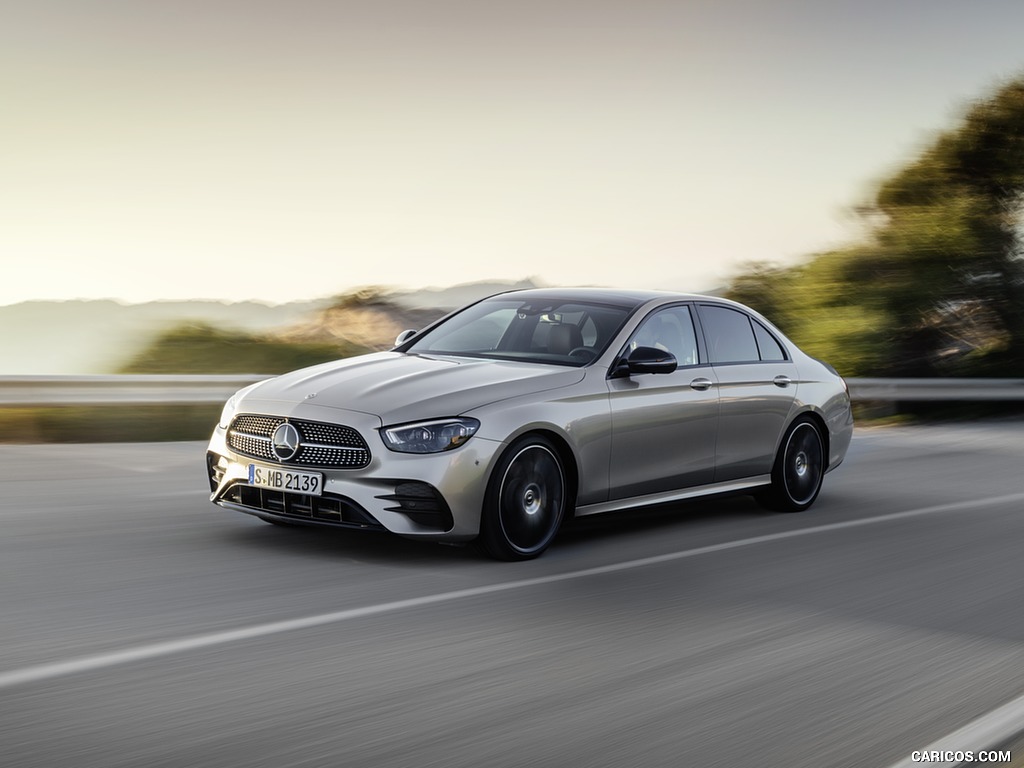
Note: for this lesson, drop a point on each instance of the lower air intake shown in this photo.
(329, 508)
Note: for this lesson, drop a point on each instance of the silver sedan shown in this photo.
(504, 418)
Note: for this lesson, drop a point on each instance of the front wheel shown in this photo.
(798, 471)
(525, 501)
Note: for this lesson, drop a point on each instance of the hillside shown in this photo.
(373, 317)
(78, 337)
(52, 337)
(351, 326)
(371, 322)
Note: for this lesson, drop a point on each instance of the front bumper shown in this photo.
(428, 496)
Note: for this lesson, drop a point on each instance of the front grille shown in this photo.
(320, 444)
(329, 508)
(258, 425)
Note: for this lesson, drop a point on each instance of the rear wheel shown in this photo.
(525, 501)
(799, 469)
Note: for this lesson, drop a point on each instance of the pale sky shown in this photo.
(282, 150)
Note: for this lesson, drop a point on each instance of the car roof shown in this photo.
(620, 297)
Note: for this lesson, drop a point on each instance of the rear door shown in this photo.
(757, 385)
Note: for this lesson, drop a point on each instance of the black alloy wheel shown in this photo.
(799, 469)
(525, 501)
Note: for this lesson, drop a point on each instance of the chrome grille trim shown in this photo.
(320, 444)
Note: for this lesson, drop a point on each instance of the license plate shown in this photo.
(289, 480)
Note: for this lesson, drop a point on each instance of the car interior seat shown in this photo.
(563, 338)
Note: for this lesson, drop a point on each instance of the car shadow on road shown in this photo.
(382, 548)
(700, 513)
(376, 547)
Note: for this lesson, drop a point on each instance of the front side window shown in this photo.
(671, 330)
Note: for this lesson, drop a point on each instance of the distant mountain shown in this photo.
(78, 337)
(456, 295)
(50, 337)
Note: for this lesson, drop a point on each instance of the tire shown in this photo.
(799, 469)
(525, 501)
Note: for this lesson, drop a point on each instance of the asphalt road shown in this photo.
(141, 626)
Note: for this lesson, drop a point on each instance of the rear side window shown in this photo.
(729, 335)
(767, 345)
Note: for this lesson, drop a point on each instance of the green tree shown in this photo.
(937, 286)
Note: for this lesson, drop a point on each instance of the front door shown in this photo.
(664, 426)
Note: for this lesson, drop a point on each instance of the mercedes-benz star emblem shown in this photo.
(286, 442)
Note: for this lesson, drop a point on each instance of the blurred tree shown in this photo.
(937, 286)
(199, 348)
(813, 304)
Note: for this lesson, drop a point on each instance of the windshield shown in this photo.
(560, 332)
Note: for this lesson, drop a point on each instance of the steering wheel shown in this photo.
(586, 353)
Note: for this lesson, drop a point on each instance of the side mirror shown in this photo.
(404, 336)
(646, 360)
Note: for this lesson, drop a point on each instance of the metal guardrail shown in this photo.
(128, 389)
(934, 390)
(34, 391)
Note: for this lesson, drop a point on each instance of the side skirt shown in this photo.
(731, 486)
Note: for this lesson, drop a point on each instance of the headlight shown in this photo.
(228, 412)
(231, 406)
(430, 436)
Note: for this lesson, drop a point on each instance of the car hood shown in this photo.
(398, 387)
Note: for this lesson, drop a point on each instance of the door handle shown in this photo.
(701, 384)
(782, 381)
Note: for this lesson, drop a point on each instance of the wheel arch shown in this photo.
(819, 422)
(565, 454)
(496, 538)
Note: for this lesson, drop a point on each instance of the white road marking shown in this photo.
(41, 672)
